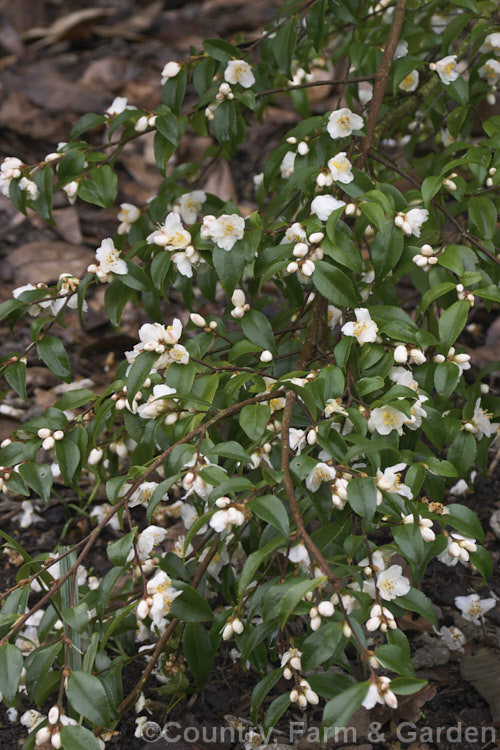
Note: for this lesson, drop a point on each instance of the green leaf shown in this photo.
(394, 658)
(452, 321)
(293, 596)
(374, 213)
(321, 645)
(271, 509)
(38, 664)
(88, 697)
(225, 122)
(462, 451)
(51, 351)
(283, 46)
(43, 204)
(118, 551)
(430, 186)
(140, 370)
(416, 601)
(276, 711)
(15, 375)
(446, 377)
(38, 477)
(173, 91)
(435, 292)
(229, 266)
(116, 297)
(260, 691)
(88, 121)
(198, 651)
(407, 685)
(11, 666)
(221, 50)
(257, 328)
(101, 189)
(483, 216)
(78, 738)
(465, 521)
(339, 710)
(252, 563)
(253, 420)
(191, 606)
(335, 285)
(68, 457)
(362, 497)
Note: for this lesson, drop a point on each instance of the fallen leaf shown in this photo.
(72, 25)
(482, 670)
(45, 260)
(220, 182)
(409, 706)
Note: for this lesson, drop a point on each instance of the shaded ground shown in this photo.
(59, 60)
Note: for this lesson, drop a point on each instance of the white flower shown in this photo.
(292, 658)
(170, 70)
(365, 329)
(491, 43)
(147, 541)
(186, 260)
(379, 692)
(411, 221)
(99, 512)
(190, 205)
(171, 235)
(109, 261)
(324, 205)
(385, 419)
(446, 69)
(127, 215)
(37, 307)
(155, 337)
(401, 49)
(341, 168)
(342, 122)
(31, 719)
(224, 231)
(29, 187)
(163, 594)
(452, 637)
(117, 106)
(296, 439)
(389, 480)
(425, 526)
(392, 583)
(67, 294)
(334, 316)
(380, 617)
(140, 496)
(287, 166)
(158, 403)
(239, 71)
(410, 82)
(481, 422)
(299, 554)
(294, 233)
(490, 71)
(473, 607)
(71, 190)
(10, 169)
(224, 519)
(321, 473)
(334, 406)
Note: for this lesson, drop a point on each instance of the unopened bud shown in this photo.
(58, 435)
(303, 148)
(53, 715)
(198, 320)
(266, 356)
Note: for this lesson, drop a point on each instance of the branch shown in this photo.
(383, 73)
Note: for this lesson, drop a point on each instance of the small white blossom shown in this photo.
(127, 215)
(287, 166)
(380, 617)
(189, 205)
(481, 422)
(334, 316)
(424, 524)
(224, 519)
(117, 106)
(401, 49)
(171, 234)
(170, 70)
(155, 337)
(225, 231)
(239, 71)
(158, 403)
(341, 168)
(411, 221)
(365, 329)
(147, 540)
(453, 638)
(109, 261)
(29, 187)
(379, 692)
(342, 122)
(321, 473)
(391, 583)
(446, 68)
(10, 169)
(491, 43)
(324, 205)
(410, 82)
(473, 607)
(390, 481)
(385, 419)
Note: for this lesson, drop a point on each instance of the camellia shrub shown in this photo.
(307, 431)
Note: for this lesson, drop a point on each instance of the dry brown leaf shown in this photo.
(68, 224)
(220, 182)
(409, 706)
(45, 260)
(108, 73)
(482, 670)
(73, 24)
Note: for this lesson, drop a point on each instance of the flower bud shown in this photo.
(238, 298)
(142, 609)
(312, 437)
(300, 250)
(438, 358)
(198, 320)
(54, 715)
(238, 313)
(142, 124)
(44, 432)
(291, 140)
(58, 435)
(326, 609)
(55, 741)
(303, 148)
(308, 268)
(292, 267)
(315, 623)
(346, 630)
(400, 354)
(350, 209)
(287, 673)
(321, 180)
(238, 626)
(427, 250)
(227, 633)
(316, 237)
(491, 98)
(5, 443)
(42, 736)
(213, 325)
(266, 356)
(48, 443)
